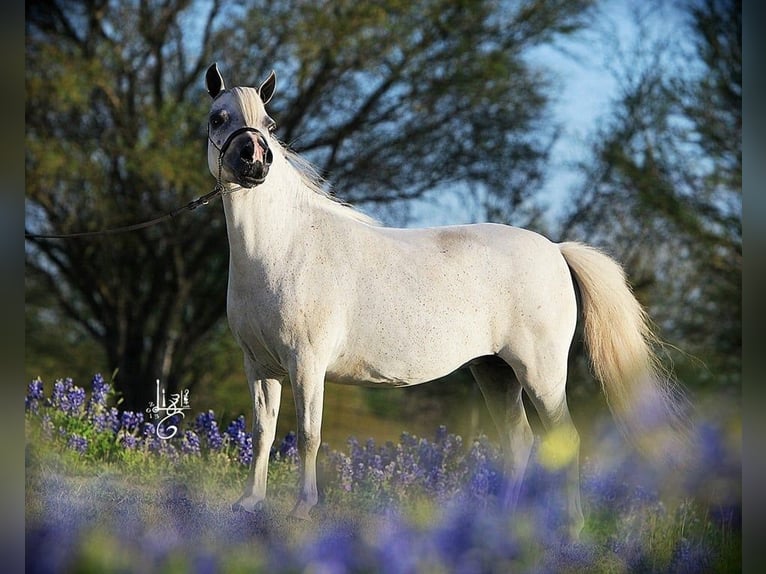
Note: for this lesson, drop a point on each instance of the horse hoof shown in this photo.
(241, 506)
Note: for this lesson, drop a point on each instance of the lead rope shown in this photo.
(219, 189)
(191, 206)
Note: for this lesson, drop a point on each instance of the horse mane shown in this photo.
(312, 180)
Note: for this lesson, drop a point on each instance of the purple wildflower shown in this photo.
(345, 471)
(190, 443)
(152, 438)
(149, 430)
(107, 420)
(101, 390)
(129, 441)
(68, 397)
(34, 395)
(206, 426)
(78, 443)
(288, 449)
(242, 439)
(131, 421)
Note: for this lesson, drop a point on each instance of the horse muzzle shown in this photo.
(247, 156)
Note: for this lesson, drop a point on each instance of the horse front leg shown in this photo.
(266, 395)
(308, 390)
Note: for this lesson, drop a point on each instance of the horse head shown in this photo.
(239, 130)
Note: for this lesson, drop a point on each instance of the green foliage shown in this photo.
(663, 188)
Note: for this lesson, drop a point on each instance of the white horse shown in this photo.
(317, 291)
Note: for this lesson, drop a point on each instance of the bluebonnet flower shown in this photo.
(68, 397)
(148, 430)
(154, 442)
(483, 478)
(59, 391)
(190, 443)
(129, 441)
(206, 426)
(236, 427)
(130, 425)
(78, 443)
(345, 470)
(107, 420)
(76, 399)
(241, 439)
(288, 449)
(407, 470)
(35, 394)
(101, 390)
(131, 421)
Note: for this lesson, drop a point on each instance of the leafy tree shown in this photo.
(392, 100)
(664, 189)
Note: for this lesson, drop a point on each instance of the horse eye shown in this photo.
(271, 125)
(218, 118)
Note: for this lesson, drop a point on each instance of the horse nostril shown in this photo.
(248, 151)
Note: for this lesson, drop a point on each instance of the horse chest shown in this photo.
(273, 317)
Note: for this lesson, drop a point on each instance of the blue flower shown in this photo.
(34, 395)
(206, 426)
(68, 397)
(107, 420)
(190, 443)
(129, 441)
(101, 390)
(78, 443)
(131, 421)
(241, 439)
(288, 449)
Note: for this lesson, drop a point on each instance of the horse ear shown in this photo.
(214, 81)
(267, 88)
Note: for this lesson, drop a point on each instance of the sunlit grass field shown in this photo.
(105, 494)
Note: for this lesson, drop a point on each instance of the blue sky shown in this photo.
(583, 70)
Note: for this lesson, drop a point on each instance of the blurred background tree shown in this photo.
(394, 101)
(663, 190)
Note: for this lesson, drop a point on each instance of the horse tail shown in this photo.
(644, 398)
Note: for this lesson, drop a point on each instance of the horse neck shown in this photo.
(263, 222)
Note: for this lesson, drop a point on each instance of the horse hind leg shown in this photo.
(545, 384)
(502, 393)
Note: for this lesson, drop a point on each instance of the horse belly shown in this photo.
(407, 344)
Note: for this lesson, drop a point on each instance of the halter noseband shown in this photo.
(268, 155)
(235, 133)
